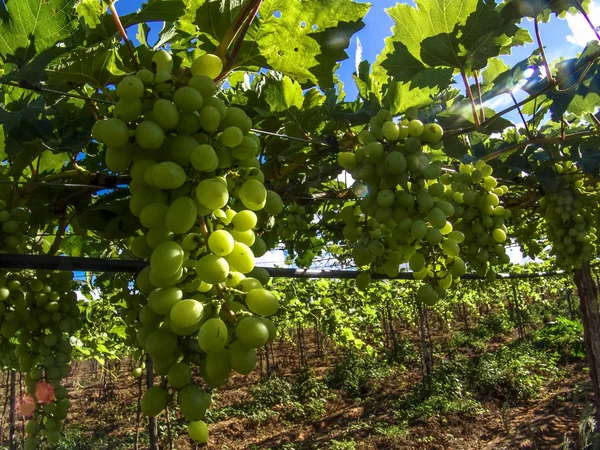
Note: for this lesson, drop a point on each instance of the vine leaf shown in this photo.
(303, 40)
(98, 67)
(32, 26)
(283, 95)
(445, 33)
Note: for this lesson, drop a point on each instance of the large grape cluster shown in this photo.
(14, 229)
(569, 215)
(410, 211)
(196, 186)
(39, 313)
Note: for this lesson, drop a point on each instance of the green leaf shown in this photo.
(33, 26)
(303, 40)
(283, 95)
(97, 66)
(90, 11)
(444, 33)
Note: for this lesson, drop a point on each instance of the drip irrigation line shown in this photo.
(41, 262)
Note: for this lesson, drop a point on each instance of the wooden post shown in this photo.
(152, 425)
(590, 316)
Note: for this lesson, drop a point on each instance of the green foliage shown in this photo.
(514, 373)
(562, 336)
(356, 374)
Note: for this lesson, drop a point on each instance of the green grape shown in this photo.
(114, 133)
(189, 123)
(221, 243)
(162, 300)
(156, 236)
(181, 149)
(213, 335)
(395, 163)
(127, 110)
(241, 258)
(193, 402)
(163, 60)
(427, 294)
(417, 262)
(149, 135)
(418, 229)
(154, 215)
(235, 117)
(218, 104)
(209, 118)
(179, 375)
(204, 159)
(434, 236)
(130, 88)
(499, 235)
(154, 401)
(273, 204)
(212, 193)
(203, 84)
(415, 127)
(137, 372)
(244, 220)
(186, 313)
(347, 160)
(245, 237)
(165, 113)
(118, 159)
(242, 358)
(148, 317)
(218, 365)
(160, 344)
(207, 65)
(390, 131)
(31, 443)
(187, 99)
(433, 133)
(450, 247)
(252, 333)
(181, 216)
(231, 137)
(162, 76)
(166, 259)
(247, 150)
(259, 248)
(145, 75)
(168, 175)
(212, 269)
(253, 195)
(262, 302)
(198, 431)
(437, 218)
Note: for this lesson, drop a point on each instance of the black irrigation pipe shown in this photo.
(20, 262)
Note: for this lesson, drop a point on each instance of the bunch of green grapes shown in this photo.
(197, 188)
(570, 218)
(14, 229)
(405, 213)
(480, 217)
(39, 314)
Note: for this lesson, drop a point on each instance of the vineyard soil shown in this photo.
(105, 401)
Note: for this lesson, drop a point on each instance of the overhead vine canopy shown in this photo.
(230, 134)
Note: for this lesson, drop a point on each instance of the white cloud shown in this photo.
(582, 33)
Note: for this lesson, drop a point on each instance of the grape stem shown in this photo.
(236, 26)
(63, 222)
(522, 117)
(123, 33)
(476, 73)
(471, 99)
(245, 26)
(538, 37)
